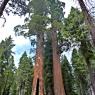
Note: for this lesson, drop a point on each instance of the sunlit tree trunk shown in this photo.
(2, 7)
(57, 74)
(38, 82)
(88, 19)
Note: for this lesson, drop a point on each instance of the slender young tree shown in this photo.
(80, 73)
(68, 77)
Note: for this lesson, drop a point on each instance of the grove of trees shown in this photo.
(49, 72)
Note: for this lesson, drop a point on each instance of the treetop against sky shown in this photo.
(23, 44)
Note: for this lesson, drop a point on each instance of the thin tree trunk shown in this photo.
(38, 69)
(88, 19)
(2, 7)
(57, 74)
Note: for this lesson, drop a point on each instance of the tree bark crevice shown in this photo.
(38, 68)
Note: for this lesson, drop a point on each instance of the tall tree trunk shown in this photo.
(38, 81)
(88, 19)
(57, 74)
(2, 7)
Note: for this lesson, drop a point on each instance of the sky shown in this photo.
(21, 43)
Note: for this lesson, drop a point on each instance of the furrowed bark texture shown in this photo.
(38, 86)
(57, 74)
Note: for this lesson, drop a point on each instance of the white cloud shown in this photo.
(20, 41)
(68, 4)
(11, 22)
(7, 30)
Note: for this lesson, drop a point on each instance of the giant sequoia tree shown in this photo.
(37, 25)
(56, 10)
(48, 16)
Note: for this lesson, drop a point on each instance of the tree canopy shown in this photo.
(50, 72)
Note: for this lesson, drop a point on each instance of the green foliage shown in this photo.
(24, 75)
(10, 78)
(43, 13)
(6, 47)
(37, 20)
(48, 73)
(80, 73)
(74, 27)
(76, 32)
(68, 77)
(56, 9)
(7, 67)
(38, 23)
(38, 7)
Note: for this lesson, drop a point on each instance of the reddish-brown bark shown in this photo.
(38, 69)
(57, 74)
(2, 7)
